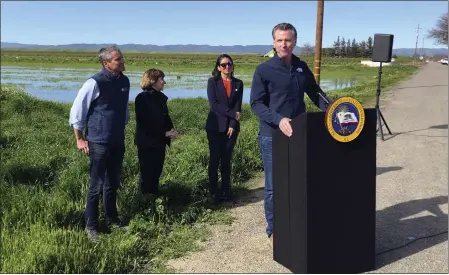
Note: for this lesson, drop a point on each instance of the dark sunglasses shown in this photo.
(223, 65)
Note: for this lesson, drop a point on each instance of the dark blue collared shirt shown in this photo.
(278, 91)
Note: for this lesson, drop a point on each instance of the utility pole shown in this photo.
(318, 40)
(422, 48)
(416, 46)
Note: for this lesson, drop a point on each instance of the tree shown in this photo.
(337, 51)
(439, 33)
(354, 49)
(363, 49)
(343, 47)
(307, 50)
(370, 46)
(348, 48)
(327, 52)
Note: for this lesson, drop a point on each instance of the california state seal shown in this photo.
(344, 119)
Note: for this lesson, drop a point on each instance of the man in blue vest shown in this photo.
(101, 107)
(277, 96)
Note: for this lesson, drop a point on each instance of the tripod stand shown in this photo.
(379, 113)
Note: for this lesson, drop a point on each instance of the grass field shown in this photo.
(181, 62)
(44, 183)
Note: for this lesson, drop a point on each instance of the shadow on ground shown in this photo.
(257, 194)
(382, 170)
(43, 175)
(425, 86)
(414, 132)
(402, 230)
(407, 222)
(7, 141)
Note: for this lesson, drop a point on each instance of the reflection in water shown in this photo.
(62, 84)
(340, 83)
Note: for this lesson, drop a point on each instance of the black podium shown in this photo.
(324, 196)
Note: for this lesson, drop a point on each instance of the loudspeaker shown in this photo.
(383, 47)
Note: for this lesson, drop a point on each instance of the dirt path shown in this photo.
(411, 193)
(241, 247)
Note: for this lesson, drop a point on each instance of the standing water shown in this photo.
(62, 84)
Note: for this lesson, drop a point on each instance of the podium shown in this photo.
(324, 195)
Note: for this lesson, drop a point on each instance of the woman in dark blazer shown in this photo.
(225, 93)
(154, 129)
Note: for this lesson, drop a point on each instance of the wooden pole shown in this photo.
(318, 40)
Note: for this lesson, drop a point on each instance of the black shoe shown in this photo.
(118, 224)
(214, 199)
(213, 195)
(212, 192)
(154, 193)
(93, 234)
(227, 196)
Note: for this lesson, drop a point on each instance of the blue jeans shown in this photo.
(265, 143)
(105, 172)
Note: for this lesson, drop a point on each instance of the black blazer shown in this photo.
(222, 110)
(152, 119)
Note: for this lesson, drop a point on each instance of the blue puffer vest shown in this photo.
(106, 119)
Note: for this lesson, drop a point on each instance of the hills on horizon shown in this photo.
(191, 48)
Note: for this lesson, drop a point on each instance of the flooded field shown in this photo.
(62, 84)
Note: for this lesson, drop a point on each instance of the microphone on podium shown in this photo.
(322, 95)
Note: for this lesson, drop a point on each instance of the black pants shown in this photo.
(221, 147)
(151, 162)
(105, 172)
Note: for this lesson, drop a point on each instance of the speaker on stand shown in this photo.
(382, 50)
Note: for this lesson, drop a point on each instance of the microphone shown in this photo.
(322, 95)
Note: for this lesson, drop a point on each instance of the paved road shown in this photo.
(412, 183)
(412, 193)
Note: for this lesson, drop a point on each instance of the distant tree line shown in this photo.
(348, 48)
(344, 48)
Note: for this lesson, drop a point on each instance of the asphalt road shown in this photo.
(412, 183)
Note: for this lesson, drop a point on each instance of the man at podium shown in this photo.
(277, 96)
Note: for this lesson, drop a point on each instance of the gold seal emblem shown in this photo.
(344, 119)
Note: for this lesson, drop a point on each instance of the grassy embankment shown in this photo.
(44, 182)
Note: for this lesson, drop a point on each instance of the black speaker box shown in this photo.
(382, 48)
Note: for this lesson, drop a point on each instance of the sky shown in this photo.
(214, 22)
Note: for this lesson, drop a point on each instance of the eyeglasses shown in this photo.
(223, 65)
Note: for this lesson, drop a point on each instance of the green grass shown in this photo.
(245, 64)
(44, 182)
(170, 62)
(365, 91)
